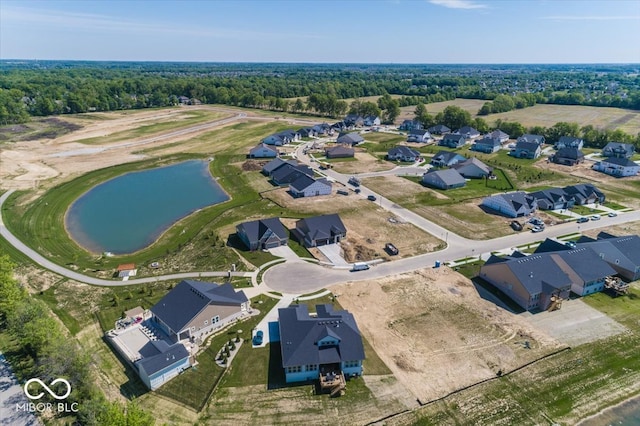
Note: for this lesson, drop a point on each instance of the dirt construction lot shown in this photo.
(436, 334)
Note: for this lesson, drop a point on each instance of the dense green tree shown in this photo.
(11, 294)
(454, 117)
(391, 108)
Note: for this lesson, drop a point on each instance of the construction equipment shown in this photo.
(556, 303)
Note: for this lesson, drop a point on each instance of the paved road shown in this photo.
(11, 393)
(47, 264)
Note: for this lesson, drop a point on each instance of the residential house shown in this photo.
(511, 204)
(127, 270)
(524, 149)
(621, 253)
(499, 134)
(306, 186)
(488, 145)
(617, 149)
(584, 193)
(371, 120)
(274, 164)
(553, 199)
(569, 142)
(354, 120)
(452, 140)
(473, 169)
(617, 166)
(263, 151)
(169, 361)
(539, 139)
(439, 129)
(403, 153)
(419, 135)
(320, 230)
(327, 345)
(339, 151)
(350, 139)
(288, 173)
(468, 132)
(340, 126)
(282, 138)
(306, 132)
(410, 125)
(446, 159)
(193, 309)
(323, 129)
(263, 234)
(568, 156)
(443, 179)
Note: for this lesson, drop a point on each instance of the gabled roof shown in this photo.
(255, 229)
(583, 191)
(439, 128)
(490, 141)
(418, 132)
(467, 130)
(455, 137)
(529, 146)
(446, 156)
(340, 150)
(586, 264)
(569, 152)
(517, 199)
(625, 249)
(302, 182)
(498, 134)
(619, 161)
(404, 151)
(472, 162)
(539, 139)
(538, 270)
(549, 245)
(261, 146)
(178, 307)
(447, 176)
(350, 138)
(569, 140)
(274, 164)
(619, 148)
(289, 172)
(173, 354)
(319, 227)
(300, 334)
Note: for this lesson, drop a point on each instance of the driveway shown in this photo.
(332, 252)
(286, 253)
(11, 394)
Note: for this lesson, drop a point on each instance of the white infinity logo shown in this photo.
(47, 388)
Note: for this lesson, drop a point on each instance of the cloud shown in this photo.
(458, 4)
(590, 18)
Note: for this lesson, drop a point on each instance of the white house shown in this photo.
(306, 186)
(617, 166)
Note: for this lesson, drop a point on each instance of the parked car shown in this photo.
(516, 226)
(257, 339)
(595, 217)
(359, 266)
(537, 229)
(371, 197)
(570, 244)
(357, 190)
(342, 192)
(582, 220)
(391, 249)
(612, 214)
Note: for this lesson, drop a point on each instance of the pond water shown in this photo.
(129, 212)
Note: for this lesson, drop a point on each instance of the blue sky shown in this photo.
(374, 31)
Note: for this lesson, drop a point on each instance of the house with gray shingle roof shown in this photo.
(539, 139)
(306, 186)
(443, 179)
(617, 149)
(621, 253)
(617, 167)
(327, 344)
(498, 134)
(320, 230)
(584, 193)
(569, 142)
(452, 140)
(350, 138)
(339, 151)
(419, 135)
(525, 149)
(468, 132)
(403, 153)
(263, 233)
(568, 156)
(410, 125)
(487, 145)
(289, 172)
(263, 151)
(157, 369)
(446, 159)
(193, 309)
(439, 129)
(473, 169)
(512, 204)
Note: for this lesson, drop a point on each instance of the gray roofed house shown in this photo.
(617, 149)
(453, 140)
(306, 186)
(539, 139)
(553, 199)
(288, 173)
(306, 132)
(473, 169)
(617, 167)
(403, 153)
(274, 164)
(585, 193)
(487, 144)
(586, 269)
(410, 125)
(322, 129)
(526, 149)
(320, 230)
(193, 309)
(158, 369)
(350, 138)
(444, 179)
(263, 233)
(499, 134)
(568, 156)
(371, 120)
(339, 151)
(419, 135)
(549, 245)
(439, 129)
(512, 204)
(621, 253)
(468, 132)
(352, 120)
(327, 343)
(263, 151)
(446, 159)
(569, 142)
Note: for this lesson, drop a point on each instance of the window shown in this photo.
(312, 367)
(294, 369)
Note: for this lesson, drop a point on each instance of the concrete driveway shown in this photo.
(332, 252)
(286, 253)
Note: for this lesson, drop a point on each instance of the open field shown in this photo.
(436, 334)
(364, 162)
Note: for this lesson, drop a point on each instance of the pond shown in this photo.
(130, 212)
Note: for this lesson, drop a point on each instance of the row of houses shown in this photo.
(313, 231)
(520, 203)
(555, 270)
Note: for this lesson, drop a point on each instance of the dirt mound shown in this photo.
(354, 252)
(253, 166)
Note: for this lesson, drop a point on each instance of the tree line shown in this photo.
(43, 350)
(32, 88)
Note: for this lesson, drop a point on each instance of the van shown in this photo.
(360, 266)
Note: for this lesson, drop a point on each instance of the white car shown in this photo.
(612, 214)
(595, 217)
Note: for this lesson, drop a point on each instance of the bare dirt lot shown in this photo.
(436, 334)
(364, 162)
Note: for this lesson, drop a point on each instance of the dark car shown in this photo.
(582, 220)
(391, 249)
(371, 198)
(357, 190)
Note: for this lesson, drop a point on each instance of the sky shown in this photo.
(347, 31)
